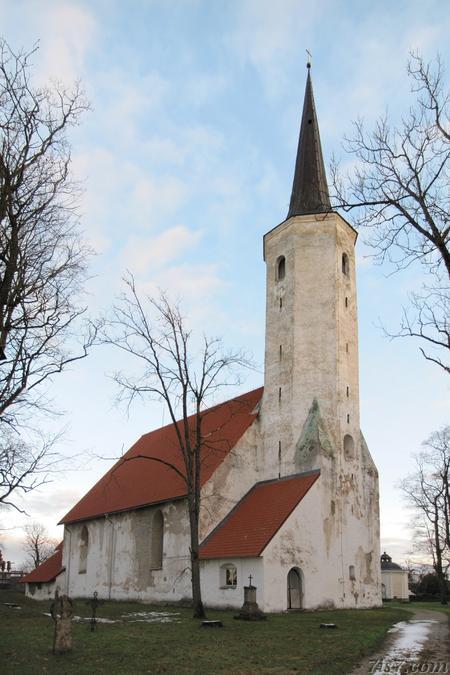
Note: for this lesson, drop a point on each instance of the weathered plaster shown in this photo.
(119, 556)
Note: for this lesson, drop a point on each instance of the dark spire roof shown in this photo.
(309, 189)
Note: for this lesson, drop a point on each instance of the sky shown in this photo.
(187, 159)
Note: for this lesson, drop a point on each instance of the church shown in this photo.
(289, 489)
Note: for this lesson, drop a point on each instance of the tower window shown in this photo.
(351, 573)
(348, 392)
(345, 265)
(349, 447)
(281, 268)
(279, 394)
(281, 303)
(348, 419)
(281, 352)
(346, 347)
(346, 301)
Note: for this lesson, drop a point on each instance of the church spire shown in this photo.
(309, 189)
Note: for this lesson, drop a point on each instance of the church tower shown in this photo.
(310, 408)
(311, 357)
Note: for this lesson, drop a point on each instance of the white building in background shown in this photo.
(394, 580)
(289, 489)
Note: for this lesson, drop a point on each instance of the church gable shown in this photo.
(254, 521)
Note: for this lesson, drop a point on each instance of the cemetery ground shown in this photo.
(138, 642)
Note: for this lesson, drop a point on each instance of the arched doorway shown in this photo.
(294, 589)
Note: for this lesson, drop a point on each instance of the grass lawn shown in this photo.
(285, 643)
(436, 605)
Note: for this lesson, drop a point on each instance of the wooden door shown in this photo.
(294, 590)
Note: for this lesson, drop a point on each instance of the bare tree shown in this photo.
(42, 257)
(38, 545)
(24, 466)
(154, 333)
(427, 493)
(399, 190)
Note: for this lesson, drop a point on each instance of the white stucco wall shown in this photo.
(315, 325)
(317, 331)
(119, 556)
(213, 592)
(47, 590)
(234, 477)
(310, 542)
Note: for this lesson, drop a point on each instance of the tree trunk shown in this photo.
(199, 611)
(442, 584)
(438, 566)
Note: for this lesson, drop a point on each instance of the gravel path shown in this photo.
(419, 645)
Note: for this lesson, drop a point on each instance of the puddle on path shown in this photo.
(403, 649)
(411, 638)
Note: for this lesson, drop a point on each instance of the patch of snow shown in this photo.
(87, 618)
(152, 617)
(131, 617)
(98, 619)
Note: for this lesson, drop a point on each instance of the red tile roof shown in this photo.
(143, 481)
(250, 526)
(46, 571)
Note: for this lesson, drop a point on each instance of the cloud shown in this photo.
(120, 196)
(144, 255)
(193, 284)
(267, 35)
(153, 198)
(125, 100)
(52, 503)
(67, 31)
(204, 88)
(160, 150)
(195, 287)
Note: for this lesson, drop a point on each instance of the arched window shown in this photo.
(156, 561)
(351, 573)
(281, 268)
(228, 576)
(84, 546)
(349, 447)
(345, 265)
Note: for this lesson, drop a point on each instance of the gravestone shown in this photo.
(94, 602)
(250, 610)
(62, 611)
